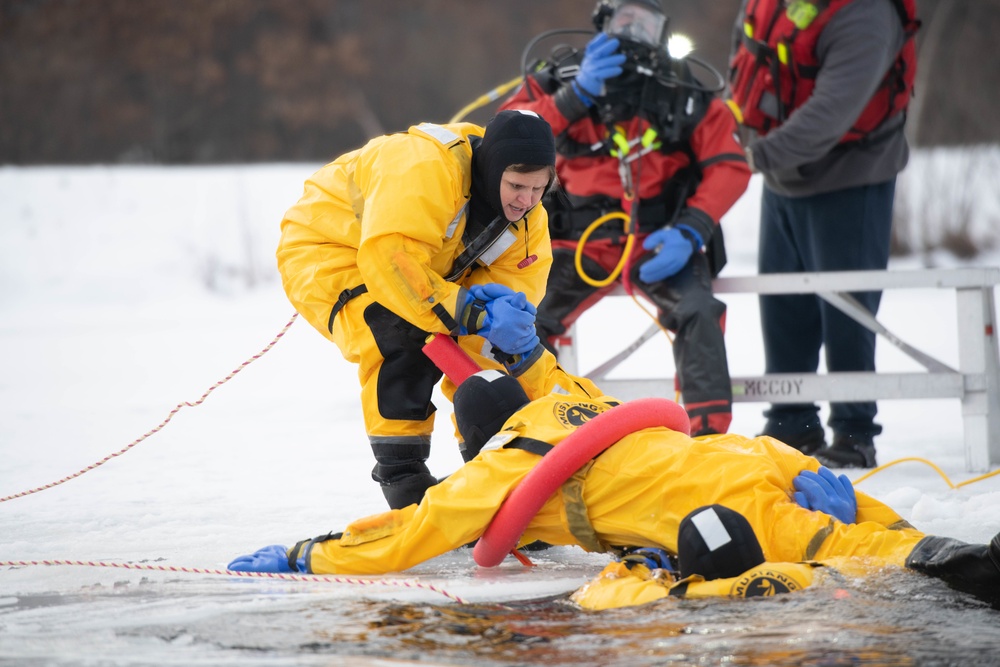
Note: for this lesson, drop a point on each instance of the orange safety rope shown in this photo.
(399, 583)
(164, 422)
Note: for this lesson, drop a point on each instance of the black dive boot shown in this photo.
(403, 473)
(970, 568)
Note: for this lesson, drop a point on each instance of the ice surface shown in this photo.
(127, 292)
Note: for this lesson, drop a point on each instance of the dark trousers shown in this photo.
(837, 231)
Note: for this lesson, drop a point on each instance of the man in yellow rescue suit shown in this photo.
(432, 230)
(639, 493)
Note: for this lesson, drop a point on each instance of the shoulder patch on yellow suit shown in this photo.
(575, 414)
(619, 586)
(768, 581)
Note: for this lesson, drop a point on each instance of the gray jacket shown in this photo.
(802, 156)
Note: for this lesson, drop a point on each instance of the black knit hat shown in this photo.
(483, 402)
(717, 543)
(512, 137)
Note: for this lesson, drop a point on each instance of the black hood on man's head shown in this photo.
(512, 137)
(483, 403)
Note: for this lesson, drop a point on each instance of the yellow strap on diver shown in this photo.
(621, 141)
(649, 139)
(735, 108)
(783, 53)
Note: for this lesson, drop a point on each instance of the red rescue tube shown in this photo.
(450, 358)
(558, 465)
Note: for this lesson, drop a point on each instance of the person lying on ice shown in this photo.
(636, 494)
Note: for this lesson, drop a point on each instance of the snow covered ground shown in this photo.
(125, 292)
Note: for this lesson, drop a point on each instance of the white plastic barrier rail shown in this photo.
(976, 383)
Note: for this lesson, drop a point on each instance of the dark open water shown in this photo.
(895, 618)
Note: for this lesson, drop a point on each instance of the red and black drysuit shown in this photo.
(694, 176)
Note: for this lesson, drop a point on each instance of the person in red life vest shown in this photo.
(638, 134)
(821, 90)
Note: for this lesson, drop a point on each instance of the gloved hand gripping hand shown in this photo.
(502, 316)
(477, 314)
(601, 61)
(512, 324)
(272, 558)
(825, 492)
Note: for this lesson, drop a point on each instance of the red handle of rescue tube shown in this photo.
(450, 358)
(604, 430)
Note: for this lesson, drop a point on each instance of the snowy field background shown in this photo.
(125, 292)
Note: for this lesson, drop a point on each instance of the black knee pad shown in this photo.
(407, 377)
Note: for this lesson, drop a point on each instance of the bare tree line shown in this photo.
(219, 81)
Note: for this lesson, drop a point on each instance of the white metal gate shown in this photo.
(976, 383)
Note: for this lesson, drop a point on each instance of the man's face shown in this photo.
(519, 192)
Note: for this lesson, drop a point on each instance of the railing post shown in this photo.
(977, 353)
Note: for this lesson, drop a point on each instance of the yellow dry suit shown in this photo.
(390, 218)
(634, 494)
(381, 249)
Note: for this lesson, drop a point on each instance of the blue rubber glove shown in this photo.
(476, 313)
(491, 291)
(601, 61)
(674, 247)
(512, 324)
(825, 492)
(272, 558)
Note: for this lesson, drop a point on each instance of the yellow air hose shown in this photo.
(629, 242)
(485, 99)
(917, 459)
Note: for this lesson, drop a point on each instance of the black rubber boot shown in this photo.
(798, 428)
(403, 473)
(970, 568)
(403, 483)
(848, 451)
